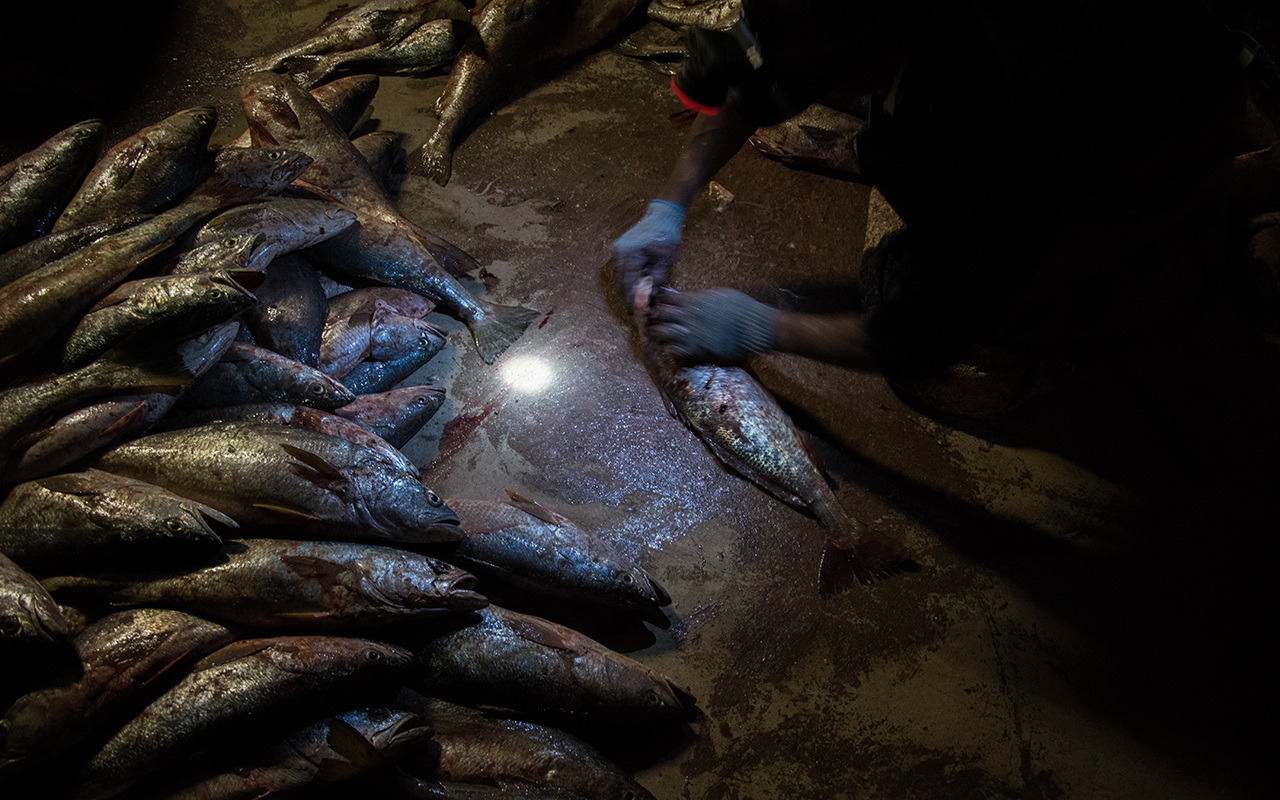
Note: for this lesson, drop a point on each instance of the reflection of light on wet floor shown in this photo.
(528, 374)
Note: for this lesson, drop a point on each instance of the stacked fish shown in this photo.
(205, 511)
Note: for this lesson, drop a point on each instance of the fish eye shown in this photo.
(274, 155)
(651, 698)
(628, 578)
(628, 795)
(419, 401)
(231, 242)
(10, 626)
(315, 390)
(373, 656)
(174, 525)
(434, 499)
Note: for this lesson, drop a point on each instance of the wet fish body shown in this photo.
(251, 374)
(269, 475)
(527, 545)
(276, 583)
(121, 655)
(346, 99)
(426, 50)
(146, 171)
(36, 186)
(397, 414)
(380, 336)
(377, 23)
(372, 376)
(27, 612)
(99, 518)
(713, 14)
(228, 253)
(289, 314)
(380, 149)
(286, 224)
(49, 248)
(526, 663)
(252, 686)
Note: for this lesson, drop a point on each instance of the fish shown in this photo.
(168, 306)
(97, 518)
(312, 419)
(819, 137)
(472, 747)
(525, 663)
(749, 433)
(526, 545)
(300, 585)
(380, 149)
(120, 656)
(508, 36)
(251, 374)
(254, 686)
(378, 23)
(52, 246)
(425, 51)
(371, 376)
(335, 749)
(289, 314)
(382, 335)
(711, 14)
(346, 99)
(368, 299)
(396, 414)
(36, 186)
(383, 245)
(288, 479)
(287, 224)
(230, 253)
(35, 306)
(27, 612)
(145, 172)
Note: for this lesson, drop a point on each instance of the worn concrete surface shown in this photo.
(1086, 619)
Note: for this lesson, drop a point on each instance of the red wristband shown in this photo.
(690, 103)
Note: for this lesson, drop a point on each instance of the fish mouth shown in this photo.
(443, 532)
(659, 593)
(243, 280)
(457, 586)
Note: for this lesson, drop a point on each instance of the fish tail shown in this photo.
(309, 70)
(871, 556)
(433, 160)
(498, 328)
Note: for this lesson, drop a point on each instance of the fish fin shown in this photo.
(233, 652)
(358, 753)
(316, 462)
(820, 136)
(874, 556)
(312, 567)
(126, 419)
(433, 160)
(499, 328)
(539, 631)
(74, 483)
(533, 509)
(288, 512)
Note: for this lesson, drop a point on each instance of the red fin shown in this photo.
(873, 557)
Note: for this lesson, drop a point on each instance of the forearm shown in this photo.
(840, 339)
(713, 141)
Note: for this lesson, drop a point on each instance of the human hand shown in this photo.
(716, 325)
(650, 247)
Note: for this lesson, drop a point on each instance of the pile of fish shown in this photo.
(219, 575)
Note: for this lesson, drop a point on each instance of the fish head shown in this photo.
(654, 695)
(400, 506)
(633, 587)
(321, 391)
(190, 523)
(391, 730)
(32, 616)
(269, 169)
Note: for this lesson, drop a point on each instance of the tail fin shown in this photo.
(309, 70)
(871, 556)
(499, 328)
(433, 160)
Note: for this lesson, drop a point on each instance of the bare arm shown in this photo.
(839, 339)
(713, 142)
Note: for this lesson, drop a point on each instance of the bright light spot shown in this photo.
(528, 374)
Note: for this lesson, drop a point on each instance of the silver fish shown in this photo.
(36, 186)
(27, 612)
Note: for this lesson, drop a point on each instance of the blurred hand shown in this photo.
(716, 325)
(649, 248)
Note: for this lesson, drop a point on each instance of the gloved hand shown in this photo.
(716, 325)
(650, 247)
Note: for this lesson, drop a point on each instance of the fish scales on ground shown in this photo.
(383, 245)
(279, 583)
(287, 224)
(97, 518)
(429, 49)
(254, 687)
(52, 246)
(508, 36)
(120, 656)
(36, 186)
(289, 314)
(527, 545)
(335, 749)
(27, 612)
(107, 422)
(169, 306)
(145, 172)
(750, 434)
(251, 374)
(472, 747)
(397, 414)
(525, 663)
(278, 478)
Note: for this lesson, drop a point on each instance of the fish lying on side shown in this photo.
(121, 655)
(508, 36)
(230, 253)
(523, 758)
(525, 663)
(288, 317)
(819, 136)
(382, 335)
(277, 583)
(254, 686)
(145, 172)
(750, 434)
(396, 414)
(372, 376)
(52, 246)
(251, 374)
(289, 479)
(287, 224)
(431, 47)
(346, 99)
(526, 545)
(94, 517)
(35, 187)
(713, 14)
(27, 612)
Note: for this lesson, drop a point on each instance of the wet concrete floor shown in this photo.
(1085, 619)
